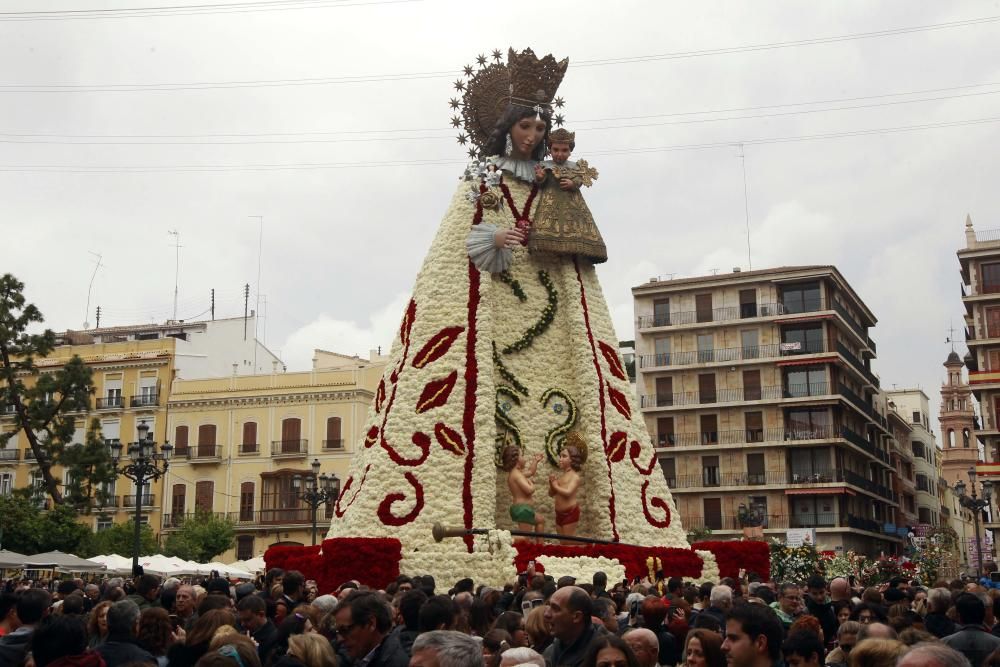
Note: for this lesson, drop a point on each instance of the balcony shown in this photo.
(109, 403)
(29, 454)
(740, 436)
(177, 520)
(145, 401)
(204, 453)
(249, 449)
(861, 523)
(289, 448)
(857, 364)
(108, 502)
(770, 522)
(10, 454)
(857, 480)
(858, 328)
(723, 355)
(7, 410)
(729, 479)
(148, 500)
(863, 443)
(741, 312)
(282, 516)
(333, 444)
(856, 401)
(736, 395)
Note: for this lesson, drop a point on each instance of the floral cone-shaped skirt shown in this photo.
(483, 360)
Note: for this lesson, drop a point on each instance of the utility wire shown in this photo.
(190, 10)
(367, 78)
(452, 162)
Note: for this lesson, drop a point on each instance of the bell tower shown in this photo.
(957, 419)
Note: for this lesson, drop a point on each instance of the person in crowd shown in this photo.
(934, 654)
(818, 604)
(122, 644)
(521, 656)
(252, 611)
(937, 621)
(363, 628)
(842, 610)
(409, 611)
(445, 648)
(877, 653)
(293, 592)
(840, 589)
(494, 643)
(803, 649)
(847, 637)
(866, 613)
(876, 631)
(8, 612)
(196, 642)
(61, 641)
(753, 637)
(644, 645)
(438, 613)
(789, 604)
(539, 633)
(568, 614)
(703, 648)
(93, 594)
(230, 650)
(654, 613)
(972, 639)
(309, 650)
(156, 633)
(608, 650)
(720, 602)
(184, 606)
(97, 625)
(32, 606)
(514, 624)
(606, 612)
(147, 591)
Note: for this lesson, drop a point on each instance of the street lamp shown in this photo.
(319, 490)
(146, 464)
(975, 505)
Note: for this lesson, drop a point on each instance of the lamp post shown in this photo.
(975, 505)
(319, 490)
(145, 464)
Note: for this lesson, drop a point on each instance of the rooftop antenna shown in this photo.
(177, 265)
(90, 288)
(260, 252)
(746, 204)
(951, 334)
(715, 272)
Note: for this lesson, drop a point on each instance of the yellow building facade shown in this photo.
(243, 446)
(131, 381)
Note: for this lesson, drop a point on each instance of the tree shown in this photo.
(27, 529)
(120, 539)
(201, 538)
(47, 411)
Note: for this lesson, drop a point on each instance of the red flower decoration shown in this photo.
(614, 363)
(731, 557)
(380, 395)
(436, 393)
(340, 511)
(407, 325)
(385, 507)
(449, 438)
(372, 436)
(616, 446)
(619, 401)
(423, 443)
(675, 562)
(437, 346)
(658, 503)
(635, 449)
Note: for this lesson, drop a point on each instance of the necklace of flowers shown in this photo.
(522, 221)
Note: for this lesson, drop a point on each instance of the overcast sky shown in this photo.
(342, 244)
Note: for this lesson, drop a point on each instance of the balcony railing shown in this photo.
(333, 444)
(288, 515)
(860, 329)
(987, 235)
(10, 454)
(145, 401)
(29, 454)
(204, 452)
(858, 365)
(289, 447)
(725, 355)
(872, 487)
(7, 410)
(148, 500)
(249, 449)
(739, 394)
(771, 521)
(109, 403)
(777, 521)
(716, 479)
(741, 312)
(744, 436)
(856, 400)
(177, 520)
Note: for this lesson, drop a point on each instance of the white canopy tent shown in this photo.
(254, 565)
(11, 559)
(170, 566)
(114, 563)
(57, 560)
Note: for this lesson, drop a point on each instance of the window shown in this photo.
(669, 470)
(38, 493)
(665, 432)
(291, 435)
(814, 512)
(177, 503)
(280, 501)
(661, 348)
(755, 469)
(6, 483)
(916, 417)
(754, 426)
(750, 340)
(244, 547)
(751, 385)
(206, 440)
(181, 440)
(709, 429)
(992, 322)
(802, 340)
(333, 435)
(104, 522)
(808, 424)
(923, 483)
(706, 388)
(710, 471)
(246, 501)
(706, 351)
(203, 495)
(249, 445)
(703, 307)
(801, 298)
(664, 391)
(713, 513)
(991, 278)
(918, 450)
(748, 303)
(806, 381)
(661, 312)
(965, 437)
(810, 465)
(951, 437)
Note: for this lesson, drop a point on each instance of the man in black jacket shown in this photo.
(32, 606)
(121, 647)
(972, 640)
(820, 606)
(568, 614)
(363, 625)
(936, 621)
(253, 619)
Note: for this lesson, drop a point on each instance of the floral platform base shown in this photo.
(495, 560)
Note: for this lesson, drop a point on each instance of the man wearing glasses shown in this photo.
(789, 604)
(363, 625)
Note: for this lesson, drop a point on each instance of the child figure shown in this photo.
(522, 488)
(563, 223)
(564, 487)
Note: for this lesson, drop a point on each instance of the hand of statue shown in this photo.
(508, 238)
(538, 458)
(539, 173)
(567, 184)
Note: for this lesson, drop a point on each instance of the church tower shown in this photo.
(957, 419)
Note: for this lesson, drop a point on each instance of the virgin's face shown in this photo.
(525, 135)
(695, 656)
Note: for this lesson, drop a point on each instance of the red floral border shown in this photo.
(674, 562)
(736, 555)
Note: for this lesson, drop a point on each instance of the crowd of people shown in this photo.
(283, 620)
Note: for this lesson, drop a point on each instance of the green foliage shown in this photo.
(698, 534)
(119, 539)
(201, 538)
(46, 412)
(794, 564)
(29, 530)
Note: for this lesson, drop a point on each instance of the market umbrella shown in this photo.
(57, 560)
(11, 559)
(114, 563)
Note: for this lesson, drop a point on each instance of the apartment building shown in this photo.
(914, 405)
(758, 391)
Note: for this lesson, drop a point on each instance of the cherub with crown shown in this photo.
(565, 486)
(520, 481)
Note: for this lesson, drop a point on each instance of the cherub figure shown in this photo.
(520, 481)
(565, 486)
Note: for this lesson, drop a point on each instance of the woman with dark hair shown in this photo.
(866, 613)
(609, 651)
(842, 610)
(495, 642)
(197, 641)
(703, 648)
(513, 623)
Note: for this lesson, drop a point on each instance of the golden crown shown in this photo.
(524, 80)
(562, 135)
